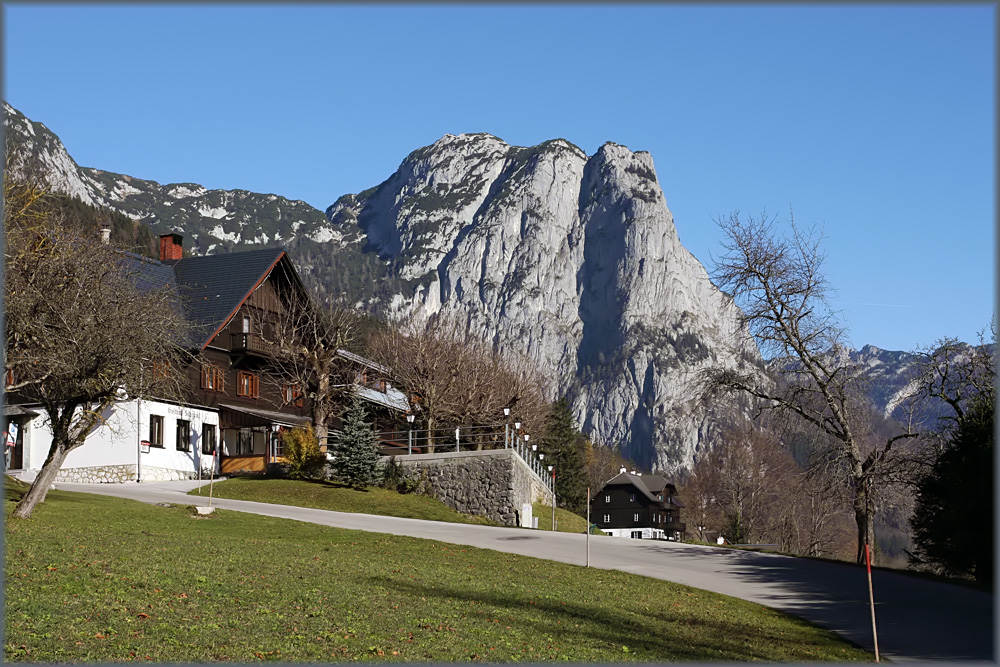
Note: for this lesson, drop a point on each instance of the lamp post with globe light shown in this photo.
(409, 420)
(552, 469)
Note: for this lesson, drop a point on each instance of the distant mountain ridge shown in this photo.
(573, 260)
(211, 220)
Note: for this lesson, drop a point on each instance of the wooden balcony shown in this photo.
(250, 343)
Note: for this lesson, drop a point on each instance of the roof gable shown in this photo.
(650, 486)
(628, 479)
(213, 287)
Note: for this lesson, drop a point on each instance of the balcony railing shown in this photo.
(250, 343)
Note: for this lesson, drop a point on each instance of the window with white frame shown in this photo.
(248, 384)
(212, 378)
(291, 394)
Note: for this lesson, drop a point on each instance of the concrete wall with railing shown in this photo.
(492, 483)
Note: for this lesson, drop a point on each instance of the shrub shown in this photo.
(301, 451)
(394, 478)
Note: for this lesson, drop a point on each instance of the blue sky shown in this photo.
(876, 122)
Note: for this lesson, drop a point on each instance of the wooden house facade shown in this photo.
(234, 412)
(638, 506)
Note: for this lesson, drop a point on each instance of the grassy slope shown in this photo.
(92, 578)
(566, 521)
(330, 496)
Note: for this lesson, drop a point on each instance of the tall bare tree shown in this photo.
(456, 381)
(780, 285)
(80, 334)
(306, 361)
(955, 372)
(603, 463)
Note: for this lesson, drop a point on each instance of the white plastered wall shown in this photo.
(647, 533)
(117, 441)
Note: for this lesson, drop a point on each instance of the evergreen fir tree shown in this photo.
(954, 514)
(564, 447)
(357, 453)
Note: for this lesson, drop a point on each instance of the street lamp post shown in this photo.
(552, 469)
(506, 427)
(409, 445)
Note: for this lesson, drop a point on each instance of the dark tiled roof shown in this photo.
(213, 286)
(147, 273)
(649, 485)
(150, 274)
(364, 361)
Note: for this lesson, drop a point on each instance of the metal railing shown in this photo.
(464, 438)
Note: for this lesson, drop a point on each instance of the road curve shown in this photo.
(918, 619)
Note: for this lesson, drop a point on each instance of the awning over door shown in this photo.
(238, 416)
(18, 411)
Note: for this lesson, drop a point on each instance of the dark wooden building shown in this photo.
(638, 506)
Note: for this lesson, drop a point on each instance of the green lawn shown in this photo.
(566, 521)
(93, 578)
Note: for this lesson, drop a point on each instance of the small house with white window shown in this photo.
(638, 506)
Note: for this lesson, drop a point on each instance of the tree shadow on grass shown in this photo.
(657, 635)
(916, 618)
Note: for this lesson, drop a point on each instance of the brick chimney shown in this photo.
(170, 247)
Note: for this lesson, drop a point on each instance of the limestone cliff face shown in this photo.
(569, 259)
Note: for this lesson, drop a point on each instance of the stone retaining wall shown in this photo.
(157, 474)
(492, 483)
(98, 474)
(121, 473)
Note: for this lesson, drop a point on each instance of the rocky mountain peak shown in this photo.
(572, 260)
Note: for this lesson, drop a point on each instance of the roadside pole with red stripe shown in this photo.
(871, 599)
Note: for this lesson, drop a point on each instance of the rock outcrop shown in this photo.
(573, 261)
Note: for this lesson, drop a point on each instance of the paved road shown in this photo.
(918, 620)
